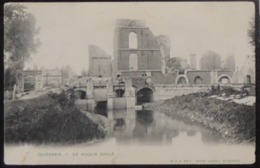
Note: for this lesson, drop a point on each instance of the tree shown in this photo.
(20, 41)
(251, 32)
(176, 63)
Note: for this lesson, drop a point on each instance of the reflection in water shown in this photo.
(148, 127)
(119, 124)
(145, 117)
(184, 141)
(101, 108)
(143, 125)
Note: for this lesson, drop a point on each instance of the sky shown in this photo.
(67, 29)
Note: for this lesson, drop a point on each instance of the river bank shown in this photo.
(234, 122)
(48, 119)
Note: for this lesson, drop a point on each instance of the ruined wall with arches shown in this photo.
(135, 47)
(225, 77)
(182, 80)
(198, 77)
(137, 51)
(159, 78)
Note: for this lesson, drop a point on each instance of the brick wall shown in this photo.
(229, 73)
(100, 62)
(204, 75)
(159, 78)
(101, 67)
(148, 49)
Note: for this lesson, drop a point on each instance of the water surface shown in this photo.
(140, 137)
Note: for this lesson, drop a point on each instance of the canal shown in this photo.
(139, 137)
(152, 128)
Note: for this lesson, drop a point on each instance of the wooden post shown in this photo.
(14, 92)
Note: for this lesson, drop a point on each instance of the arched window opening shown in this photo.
(79, 94)
(144, 95)
(198, 80)
(224, 80)
(133, 62)
(133, 40)
(83, 95)
(120, 93)
(181, 80)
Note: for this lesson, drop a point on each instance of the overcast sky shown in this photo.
(193, 27)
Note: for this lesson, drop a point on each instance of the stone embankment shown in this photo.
(235, 122)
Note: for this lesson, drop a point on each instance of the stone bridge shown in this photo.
(128, 94)
(116, 95)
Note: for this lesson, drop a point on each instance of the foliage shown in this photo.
(65, 98)
(48, 119)
(9, 79)
(231, 120)
(251, 32)
(19, 40)
(214, 89)
(228, 90)
(177, 63)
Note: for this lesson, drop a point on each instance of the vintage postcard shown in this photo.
(129, 83)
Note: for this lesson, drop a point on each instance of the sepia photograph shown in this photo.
(136, 83)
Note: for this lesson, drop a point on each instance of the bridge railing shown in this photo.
(79, 85)
(182, 85)
(99, 82)
(235, 85)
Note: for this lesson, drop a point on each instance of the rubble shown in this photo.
(239, 99)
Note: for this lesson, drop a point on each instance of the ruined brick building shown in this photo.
(100, 63)
(38, 78)
(30, 78)
(246, 74)
(210, 61)
(146, 59)
(142, 56)
(135, 48)
(229, 63)
(142, 70)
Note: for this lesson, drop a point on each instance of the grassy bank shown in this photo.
(236, 122)
(49, 118)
